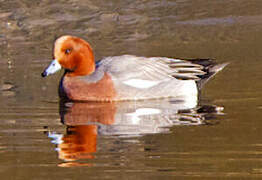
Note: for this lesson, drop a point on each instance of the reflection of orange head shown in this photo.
(79, 143)
(80, 140)
(74, 54)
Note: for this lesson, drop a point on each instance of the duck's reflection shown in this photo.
(85, 121)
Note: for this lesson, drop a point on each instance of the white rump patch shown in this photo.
(140, 83)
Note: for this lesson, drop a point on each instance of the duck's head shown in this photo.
(73, 54)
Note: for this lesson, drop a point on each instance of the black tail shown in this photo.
(210, 67)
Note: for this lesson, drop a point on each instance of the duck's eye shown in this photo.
(67, 51)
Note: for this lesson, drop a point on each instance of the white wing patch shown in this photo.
(141, 83)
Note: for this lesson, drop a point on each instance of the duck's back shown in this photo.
(146, 78)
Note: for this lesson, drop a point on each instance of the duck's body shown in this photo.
(128, 78)
(125, 77)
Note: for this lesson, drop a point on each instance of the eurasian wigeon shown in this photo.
(125, 77)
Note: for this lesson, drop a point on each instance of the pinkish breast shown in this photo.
(80, 90)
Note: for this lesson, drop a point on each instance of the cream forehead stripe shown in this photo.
(59, 42)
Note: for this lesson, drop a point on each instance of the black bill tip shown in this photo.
(44, 74)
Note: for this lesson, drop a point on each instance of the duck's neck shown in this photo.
(85, 66)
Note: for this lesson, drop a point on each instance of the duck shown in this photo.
(125, 77)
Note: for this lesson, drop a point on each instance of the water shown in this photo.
(42, 138)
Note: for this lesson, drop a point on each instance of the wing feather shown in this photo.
(154, 69)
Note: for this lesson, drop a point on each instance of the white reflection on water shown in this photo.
(86, 121)
(127, 118)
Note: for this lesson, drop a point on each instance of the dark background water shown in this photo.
(226, 30)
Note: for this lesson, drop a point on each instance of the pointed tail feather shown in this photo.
(211, 71)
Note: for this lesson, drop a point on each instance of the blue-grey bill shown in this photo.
(53, 67)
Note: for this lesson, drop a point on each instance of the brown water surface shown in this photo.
(41, 138)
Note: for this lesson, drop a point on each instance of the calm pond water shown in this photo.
(42, 138)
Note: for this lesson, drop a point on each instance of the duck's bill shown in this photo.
(53, 67)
